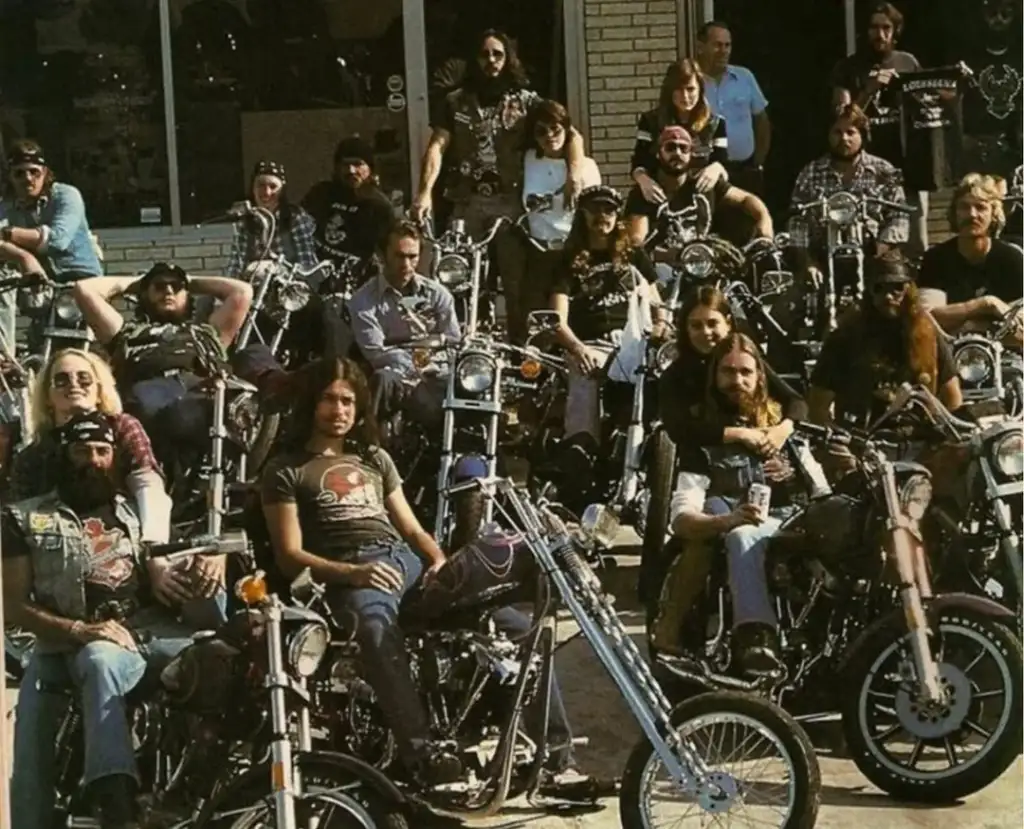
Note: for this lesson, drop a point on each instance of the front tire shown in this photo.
(467, 511)
(659, 491)
(980, 665)
(731, 711)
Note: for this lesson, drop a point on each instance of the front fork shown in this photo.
(839, 248)
(1009, 546)
(630, 484)
(282, 771)
(907, 552)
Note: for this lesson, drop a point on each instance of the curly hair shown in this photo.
(991, 189)
(108, 400)
(577, 247)
(764, 411)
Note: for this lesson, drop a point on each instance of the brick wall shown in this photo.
(628, 46)
(198, 250)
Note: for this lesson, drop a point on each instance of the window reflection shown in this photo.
(83, 78)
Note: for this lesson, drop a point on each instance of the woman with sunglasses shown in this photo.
(545, 171)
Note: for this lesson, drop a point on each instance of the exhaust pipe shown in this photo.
(707, 678)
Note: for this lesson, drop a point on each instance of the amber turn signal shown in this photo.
(252, 589)
(530, 369)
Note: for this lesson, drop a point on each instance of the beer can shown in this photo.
(760, 495)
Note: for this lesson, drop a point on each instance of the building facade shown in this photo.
(158, 109)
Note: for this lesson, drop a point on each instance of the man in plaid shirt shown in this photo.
(847, 167)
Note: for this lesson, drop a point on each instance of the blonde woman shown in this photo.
(972, 279)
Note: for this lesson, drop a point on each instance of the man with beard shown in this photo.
(847, 167)
(710, 501)
(869, 79)
(351, 213)
(74, 576)
(890, 340)
(478, 136)
(675, 151)
(969, 280)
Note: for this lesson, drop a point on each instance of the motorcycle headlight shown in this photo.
(915, 496)
(475, 373)
(698, 261)
(974, 364)
(452, 271)
(1008, 455)
(842, 209)
(67, 309)
(294, 296)
(666, 355)
(244, 420)
(307, 648)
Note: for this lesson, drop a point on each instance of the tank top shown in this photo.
(542, 176)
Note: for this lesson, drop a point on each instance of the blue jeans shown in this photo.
(103, 673)
(373, 616)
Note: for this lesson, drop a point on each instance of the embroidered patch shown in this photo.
(40, 523)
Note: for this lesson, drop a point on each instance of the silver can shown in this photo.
(760, 495)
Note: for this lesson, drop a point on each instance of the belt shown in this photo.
(115, 610)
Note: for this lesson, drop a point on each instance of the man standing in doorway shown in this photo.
(868, 78)
(734, 94)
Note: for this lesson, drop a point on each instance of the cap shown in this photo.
(25, 155)
(87, 427)
(158, 270)
(354, 148)
(600, 194)
(269, 168)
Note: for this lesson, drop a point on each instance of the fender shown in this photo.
(353, 766)
(933, 610)
(469, 466)
(645, 453)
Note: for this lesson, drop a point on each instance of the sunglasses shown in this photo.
(175, 285)
(66, 379)
(27, 172)
(602, 207)
(677, 147)
(492, 53)
(544, 130)
(889, 288)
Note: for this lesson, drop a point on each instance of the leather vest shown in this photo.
(61, 553)
(485, 155)
(149, 349)
(731, 471)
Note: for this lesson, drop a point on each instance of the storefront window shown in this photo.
(83, 78)
(284, 80)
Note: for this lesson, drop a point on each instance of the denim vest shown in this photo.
(486, 155)
(731, 471)
(61, 552)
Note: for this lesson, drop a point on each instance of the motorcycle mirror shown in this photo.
(543, 320)
(303, 589)
(600, 525)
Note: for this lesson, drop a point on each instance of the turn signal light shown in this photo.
(530, 369)
(421, 358)
(252, 589)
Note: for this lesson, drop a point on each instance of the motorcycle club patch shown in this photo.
(41, 523)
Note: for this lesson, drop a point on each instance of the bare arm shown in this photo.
(432, 159)
(410, 529)
(951, 395)
(286, 538)
(235, 298)
(762, 137)
(575, 154)
(22, 611)
(638, 227)
(93, 298)
(753, 207)
(566, 338)
(951, 318)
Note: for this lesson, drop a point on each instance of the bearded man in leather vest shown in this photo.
(74, 575)
(478, 136)
(886, 342)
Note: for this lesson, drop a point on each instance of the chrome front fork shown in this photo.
(282, 773)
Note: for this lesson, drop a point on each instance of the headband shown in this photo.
(87, 427)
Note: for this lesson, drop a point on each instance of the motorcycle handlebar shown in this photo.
(204, 545)
(19, 282)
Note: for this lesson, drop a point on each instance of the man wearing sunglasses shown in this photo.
(888, 341)
(43, 227)
(675, 152)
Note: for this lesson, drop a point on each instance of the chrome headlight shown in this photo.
(67, 309)
(476, 373)
(294, 296)
(244, 420)
(453, 271)
(1008, 454)
(307, 648)
(698, 261)
(915, 496)
(666, 355)
(974, 364)
(842, 209)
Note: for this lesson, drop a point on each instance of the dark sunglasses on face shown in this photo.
(889, 289)
(602, 208)
(491, 53)
(676, 147)
(544, 130)
(174, 285)
(65, 379)
(27, 172)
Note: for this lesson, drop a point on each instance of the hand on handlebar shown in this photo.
(422, 207)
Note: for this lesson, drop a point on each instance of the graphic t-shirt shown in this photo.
(340, 498)
(931, 122)
(144, 350)
(683, 230)
(348, 222)
(998, 274)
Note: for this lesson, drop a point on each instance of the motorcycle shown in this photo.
(212, 727)
(462, 265)
(863, 635)
(988, 370)
(55, 322)
(844, 215)
(477, 685)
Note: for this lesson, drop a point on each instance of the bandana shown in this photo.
(269, 168)
(87, 427)
(674, 133)
(25, 157)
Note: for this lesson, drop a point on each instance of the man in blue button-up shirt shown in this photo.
(397, 306)
(43, 227)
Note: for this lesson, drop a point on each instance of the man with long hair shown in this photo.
(334, 503)
(710, 501)
(74, 575)
(478, 137)
(969, 280)
(889, 340)
(680, 183)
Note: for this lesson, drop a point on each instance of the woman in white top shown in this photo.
(544, 174)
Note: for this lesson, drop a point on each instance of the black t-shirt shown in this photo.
(1000, 273)
(599, 295)
(684, 197)
(709, 144)
(883, 110)
(348, 221)
(112, 573)
(340, 499)
(930, 109)
(865, 373)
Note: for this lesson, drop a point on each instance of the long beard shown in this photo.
(490, 89)
(840, 155)
(86, 488)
